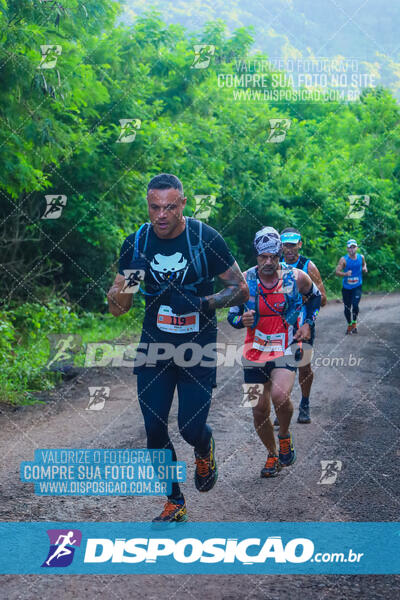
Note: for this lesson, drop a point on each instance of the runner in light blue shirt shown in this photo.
(351, 267)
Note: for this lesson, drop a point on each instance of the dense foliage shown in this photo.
(59, 135)
(366, 31)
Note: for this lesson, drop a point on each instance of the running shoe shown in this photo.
(174, 512)
(354, 328)
(349, 329)
(206, 473)
(304, 414)
(287, 453)
(271, 468)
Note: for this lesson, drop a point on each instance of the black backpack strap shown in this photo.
(194, 236)
(143, 230)
(302, 262)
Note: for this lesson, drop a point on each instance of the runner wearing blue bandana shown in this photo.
(292, 243)
(351, 267)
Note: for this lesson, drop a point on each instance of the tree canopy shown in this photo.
(61, 135)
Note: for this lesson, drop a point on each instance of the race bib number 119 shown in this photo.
(172, 323)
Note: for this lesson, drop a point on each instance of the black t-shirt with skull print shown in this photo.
(169, 259)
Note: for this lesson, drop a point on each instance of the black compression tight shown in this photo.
(156, 386)
(351, 300)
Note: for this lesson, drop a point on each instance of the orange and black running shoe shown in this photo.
(174, 512)
(287, 453)
(206, 473)
(271, 468)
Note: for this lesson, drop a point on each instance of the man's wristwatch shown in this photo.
(309, 322)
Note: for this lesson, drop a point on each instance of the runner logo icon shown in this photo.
(330, 471)
(62, 547)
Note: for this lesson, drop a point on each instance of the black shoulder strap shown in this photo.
(194, 236)
(143, 230)
(302, 262)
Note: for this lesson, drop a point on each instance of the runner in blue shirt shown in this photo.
(292, 243)
(351, 267)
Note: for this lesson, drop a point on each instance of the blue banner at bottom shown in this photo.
(213, 548)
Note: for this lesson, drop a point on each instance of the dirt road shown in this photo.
(355, 420)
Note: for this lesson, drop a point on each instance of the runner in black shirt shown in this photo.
(179, 258)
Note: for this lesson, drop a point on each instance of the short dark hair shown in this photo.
(165, 181)
(290, 230)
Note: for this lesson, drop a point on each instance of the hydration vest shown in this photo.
(293, 298)
(196, 251)
(301, 264)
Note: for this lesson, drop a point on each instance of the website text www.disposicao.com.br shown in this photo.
(247, 551)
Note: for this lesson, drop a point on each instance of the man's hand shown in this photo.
(248, 318)
(183, 302)
(118, 302)
(303, 333)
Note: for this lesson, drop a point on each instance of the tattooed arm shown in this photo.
(235, 290)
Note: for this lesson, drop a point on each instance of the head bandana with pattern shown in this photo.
(267, 240)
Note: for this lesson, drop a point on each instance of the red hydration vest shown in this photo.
(272, 334)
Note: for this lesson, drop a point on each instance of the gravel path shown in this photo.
(355, 419)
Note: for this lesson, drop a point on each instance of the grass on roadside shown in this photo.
(25, 345)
